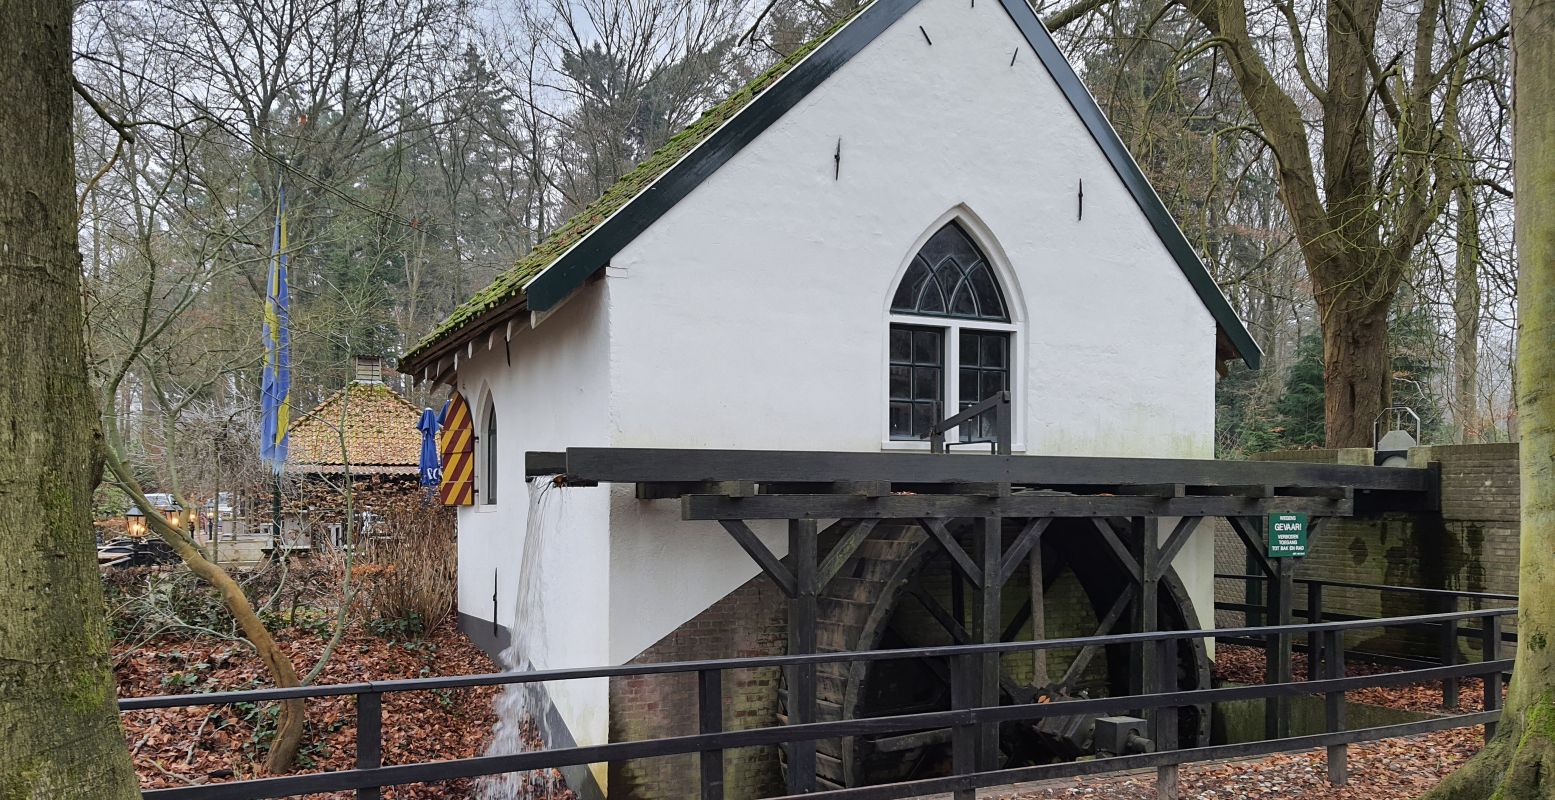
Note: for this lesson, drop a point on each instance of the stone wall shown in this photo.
(750, 621)
(1471, 545)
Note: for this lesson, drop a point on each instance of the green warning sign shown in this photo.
(1287, 535)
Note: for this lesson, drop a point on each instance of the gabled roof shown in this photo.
(585, 244)
(379, 427)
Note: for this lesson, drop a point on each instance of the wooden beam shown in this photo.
(658, 490)
(936, 528)
(1245, 530)
(844, 549)
(1021, 506)
(1104, 627)
(1029, 537)
(633, 465)
(1118, 547)
(1176, 540)
(763, 557)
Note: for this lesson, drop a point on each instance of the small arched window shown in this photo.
(950, 337)
(489, 461)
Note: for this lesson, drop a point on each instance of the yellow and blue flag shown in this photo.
(276, 384)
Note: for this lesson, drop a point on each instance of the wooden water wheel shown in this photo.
(898, 590)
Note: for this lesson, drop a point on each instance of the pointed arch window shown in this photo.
(950, 337)
(488, 462)
(950, 277)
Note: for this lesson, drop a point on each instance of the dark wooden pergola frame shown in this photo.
(1125, 500)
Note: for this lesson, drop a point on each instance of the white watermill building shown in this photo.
(920, 210)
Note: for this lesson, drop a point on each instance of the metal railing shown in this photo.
(1003, 436)
(1448, 632)
(966, 663)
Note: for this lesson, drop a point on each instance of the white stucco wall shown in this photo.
(554, 396)
(753, 314)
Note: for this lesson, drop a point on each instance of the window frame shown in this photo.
(487, 497)
(951, 342)
(952, 327)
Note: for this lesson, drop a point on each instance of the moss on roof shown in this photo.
(511, 283)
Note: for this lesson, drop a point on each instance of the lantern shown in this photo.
(135, 521)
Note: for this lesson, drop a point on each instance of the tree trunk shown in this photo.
(59, 722)
(1356, 372)
(1520, 761)
(1465, 306)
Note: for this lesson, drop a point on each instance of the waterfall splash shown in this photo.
(521, 707)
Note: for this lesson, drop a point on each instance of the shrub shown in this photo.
(410, 570)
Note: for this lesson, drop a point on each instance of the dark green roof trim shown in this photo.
(1134, 180)
(615, 233)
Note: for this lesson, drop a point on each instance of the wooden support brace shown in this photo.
(941, 534)
(1108, 622)
(763, 557)
(845, 548)
(1176, 540)
(1118, 548)
(1029, 537)
(1246, 531)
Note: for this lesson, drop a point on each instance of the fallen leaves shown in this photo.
(1391, 769)
(185, 746)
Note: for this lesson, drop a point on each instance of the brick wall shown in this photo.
(750, 621)
(1470, 546)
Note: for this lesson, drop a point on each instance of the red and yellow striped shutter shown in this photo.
(456, 442)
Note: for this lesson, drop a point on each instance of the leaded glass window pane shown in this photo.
(917, 380)
(985, 371)
(950, 277)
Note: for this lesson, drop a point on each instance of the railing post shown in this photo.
(1277, 648)
(710, 720)
(1449, 651)
(1333, 709)
(369, 739)
(1003, 427)
(1315, 638)
(1490, 650)
(1165, 728)
(964, 671)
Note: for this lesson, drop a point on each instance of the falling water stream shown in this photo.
(521, 708)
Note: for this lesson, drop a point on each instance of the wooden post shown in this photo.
(710, 720)
(1277, 647)
(802, 535)
(1147, 547)
(1164, 730)
(963, 738)
(1253, 593)
(1314, 639)
(369, 739)
(1039, 676)
(1449, 654)
(1333, 709)
(986, 628)
(1490, 650)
